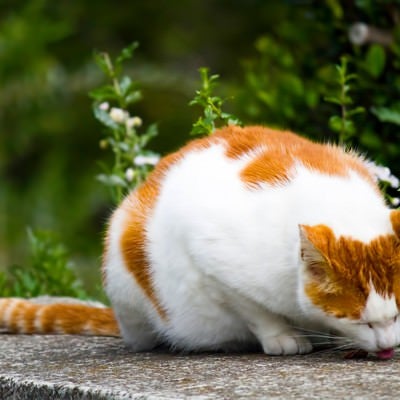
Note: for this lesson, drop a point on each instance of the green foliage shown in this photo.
(343, 124)
(49, 271)
(212, 106)
(385, 114)
(132, 162)
(375, 60)
(275, 89)
(48, 137)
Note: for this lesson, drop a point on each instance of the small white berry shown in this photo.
(118, 115)
(141, 160)
(104, 106)
(394, 181)
(129, 174)
(134, 122)
(395, 201)
(103, 144)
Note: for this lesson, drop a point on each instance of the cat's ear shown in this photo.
(395, 220)
(316, 264)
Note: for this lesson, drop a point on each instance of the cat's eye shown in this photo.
(370, 325)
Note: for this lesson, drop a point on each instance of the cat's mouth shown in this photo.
(385, 354)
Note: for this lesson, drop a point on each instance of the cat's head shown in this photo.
(352, 286)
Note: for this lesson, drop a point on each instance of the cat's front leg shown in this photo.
(274, 333)
(277, 337)
(285, 343)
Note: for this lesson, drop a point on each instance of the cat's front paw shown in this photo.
(286, 343)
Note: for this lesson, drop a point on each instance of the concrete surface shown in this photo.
(75, 367)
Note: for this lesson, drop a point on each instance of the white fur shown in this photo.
(381, 314)
(378, 328)
(379, 309)
(225, 258)
(130, 305)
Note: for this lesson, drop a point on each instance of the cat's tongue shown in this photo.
(385, 354)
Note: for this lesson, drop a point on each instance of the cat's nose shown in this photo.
(386, 337)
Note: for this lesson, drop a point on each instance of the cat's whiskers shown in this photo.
(336, 349)
(314, 333)
(334, 341)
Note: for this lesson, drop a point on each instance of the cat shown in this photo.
(248, 237)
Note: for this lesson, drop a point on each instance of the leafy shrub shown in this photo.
(132, 161)
(49, 271)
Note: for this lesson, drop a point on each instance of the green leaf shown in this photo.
(375, 60)
(265, 97)
(349, 128)
(104, 93)
(333, 99)
(350, 77)
(335, 123)
(104, 118)
(133, 97)
(345, 128)
(200, 128)
(125, 85)
(123, 146)
(355, 111)
(336, 8)
(127, 53)
(111, 180)
(151, 132)
(386, 114)
(101, 60)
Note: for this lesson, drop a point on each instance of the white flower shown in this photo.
(358, 33)
(394, 181)
(104, 106)
(395, 201)
(129, 174)
(134, 122)
(118, 115)
(383, 174)
(141, 160)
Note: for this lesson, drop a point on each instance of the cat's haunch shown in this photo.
(251, 236)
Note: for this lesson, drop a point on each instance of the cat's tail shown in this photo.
(56, 316)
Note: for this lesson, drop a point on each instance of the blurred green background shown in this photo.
(276, 60)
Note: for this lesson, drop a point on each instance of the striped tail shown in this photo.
(49, 315)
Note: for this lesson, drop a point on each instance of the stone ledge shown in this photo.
(77, 367)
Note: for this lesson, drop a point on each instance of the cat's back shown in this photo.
(256, 155)
(243, 164)
(239, 179)
(263, 156)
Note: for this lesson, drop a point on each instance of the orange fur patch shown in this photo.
(139, 205)
(395, 220)
(342, 285)
(78, 319)
(22, 316)
(278, 152)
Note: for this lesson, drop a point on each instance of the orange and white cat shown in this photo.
(249, 236)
